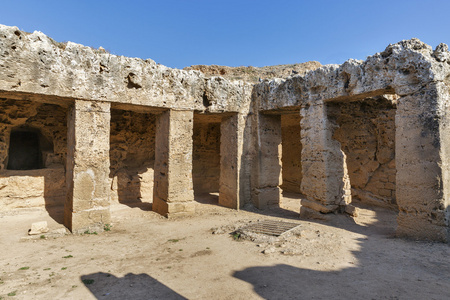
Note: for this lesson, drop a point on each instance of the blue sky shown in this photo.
(180, 33)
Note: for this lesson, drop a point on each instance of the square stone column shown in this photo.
(173, 192)
(87, 169)
(422, 153)
(325, 180)
(268, 161)
(231, 143)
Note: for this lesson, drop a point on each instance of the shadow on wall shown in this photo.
(207, 198)
(33, 148)
(134, 187)
(132, 156)
(131, 286)
(55, 192)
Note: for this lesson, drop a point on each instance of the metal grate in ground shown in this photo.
(270, 227)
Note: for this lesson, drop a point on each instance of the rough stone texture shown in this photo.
(32, 188)
(33, 63)
(422, 167)
(268, 161)
(419, 75)
(173, 188)
(325, 179)
(255, 74)
(366, 132)
(38, 228)
(49, 120)
(41, 187)
(233, 183)
(87, 176)
(206, 154)
(34, 69)
(291, 153)
(132, 156)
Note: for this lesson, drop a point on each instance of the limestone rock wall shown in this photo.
(174, 193)
(132, 156)
(87, 167)
(34, 65)
(366, 132)
(49, 119)
(255, 74)
(291, 153)
(206, 155)
(416, 73)
(88, 82)
(400, 67)
(266, 173)
(33, 188)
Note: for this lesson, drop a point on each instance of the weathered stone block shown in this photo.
(318, 207)
(87, 172)
(38, 228)
(267, 196)
(41, 70)
(92, 220)
(231, 144)
(419, 226)
(173, 161)
(173, 209)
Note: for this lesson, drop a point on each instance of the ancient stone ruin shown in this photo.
(82, 128)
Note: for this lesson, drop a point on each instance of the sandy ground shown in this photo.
(145, 256)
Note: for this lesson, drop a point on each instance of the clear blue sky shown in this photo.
(180, 33)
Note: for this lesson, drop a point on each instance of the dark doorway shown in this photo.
(24, 151)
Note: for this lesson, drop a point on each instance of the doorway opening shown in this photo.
(206, 158)
(366, 131)
(291, 161)
(132, 157)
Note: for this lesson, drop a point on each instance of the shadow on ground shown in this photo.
(131, 286)
(375, 273)
(207, 198)
(361, 282)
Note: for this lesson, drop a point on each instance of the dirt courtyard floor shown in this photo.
(145, 256)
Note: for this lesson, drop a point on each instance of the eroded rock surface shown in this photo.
(366, 132)
(125, 128)
(256, 74)
(33, 63)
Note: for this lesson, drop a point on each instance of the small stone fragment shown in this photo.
(288, 251)
(269, 250)
(38, 228)
(218, 231)
(351, 210)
